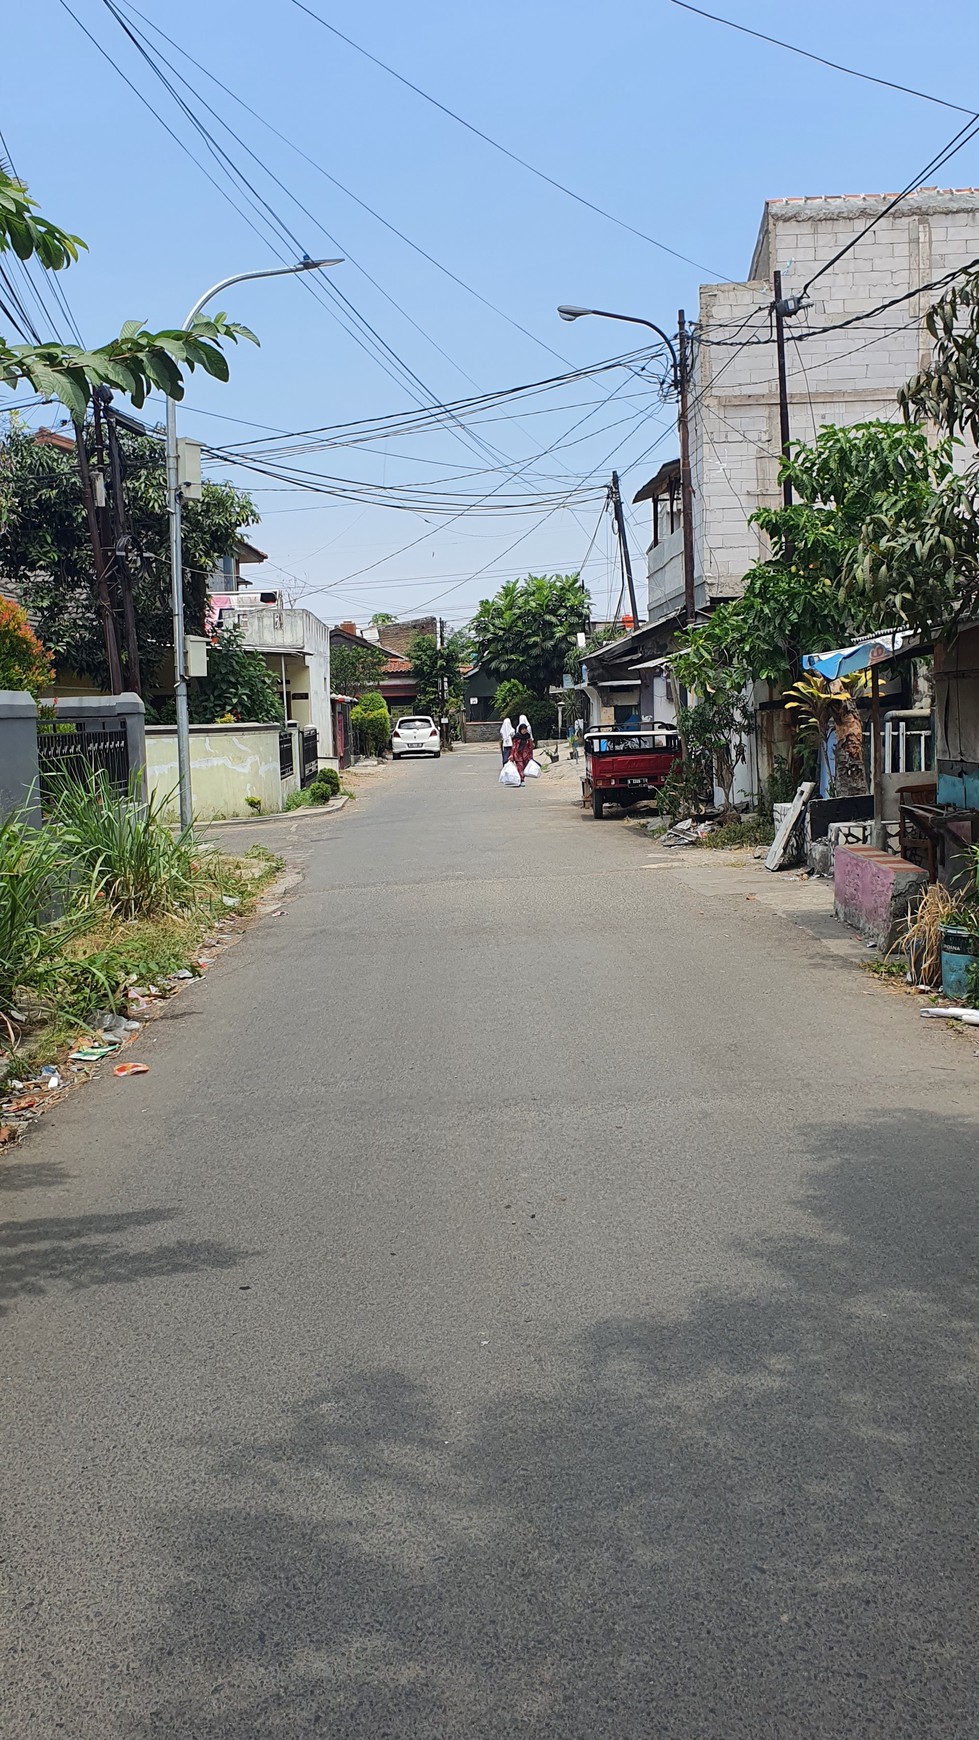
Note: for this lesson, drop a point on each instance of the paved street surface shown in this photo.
(530, 1295)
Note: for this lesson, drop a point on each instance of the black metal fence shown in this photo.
(309, 742)
(77, 751)
(287, 764)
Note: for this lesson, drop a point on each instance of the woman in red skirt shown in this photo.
(523, 746)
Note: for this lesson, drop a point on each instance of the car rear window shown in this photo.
(415, 725)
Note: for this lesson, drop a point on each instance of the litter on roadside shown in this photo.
(131, 1069)
(688, 832)
(969, 1017)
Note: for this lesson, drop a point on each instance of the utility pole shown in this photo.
(619, 517)
(783, 392)
(103, 597)
(122, 544)
(441, 685)
(686, 488)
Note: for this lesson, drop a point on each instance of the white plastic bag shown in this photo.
(509, 776)
(533, 770)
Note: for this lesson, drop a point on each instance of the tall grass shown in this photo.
(41, 912)
(101, 897)
(123, 847)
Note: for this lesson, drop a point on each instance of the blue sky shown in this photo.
(680, 127)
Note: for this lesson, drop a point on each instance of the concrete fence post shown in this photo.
(19, 784)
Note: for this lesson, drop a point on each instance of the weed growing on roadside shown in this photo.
(123, 846)
(753, 832)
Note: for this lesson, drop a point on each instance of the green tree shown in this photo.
(527, 632)
(381, 618)
(354, 668)
(809, 594)
(134, 363)
(917, 564)
(437, 672)
(45, 547)
(238, 684)
(24, 662)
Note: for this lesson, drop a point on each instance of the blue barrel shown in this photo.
(960, 954)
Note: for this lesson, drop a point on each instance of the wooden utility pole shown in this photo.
(101, 561)
(619, 517)
(783, 392)
(686, 487)
(122, 545)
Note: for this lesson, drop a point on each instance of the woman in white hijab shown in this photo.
(523, 746)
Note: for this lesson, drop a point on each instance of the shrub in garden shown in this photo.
(24, 663)
(327, 781)
(371, 718)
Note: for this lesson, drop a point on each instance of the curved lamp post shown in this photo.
(568, 312)
(176, 551)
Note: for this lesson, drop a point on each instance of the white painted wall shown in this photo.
(299, 636)
(229, 764)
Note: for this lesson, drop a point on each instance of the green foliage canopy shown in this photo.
(134, 363)
(437, 671)
(354, 668)
(527, 632)
(372, 720)
(238, 682)
(45, 547)
(813, 591)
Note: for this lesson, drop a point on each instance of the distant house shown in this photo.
(479, 687)
(294, 643)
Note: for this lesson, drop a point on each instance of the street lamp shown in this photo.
(176, 552)
(568, 312)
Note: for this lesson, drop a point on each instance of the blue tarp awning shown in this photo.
(874, 649)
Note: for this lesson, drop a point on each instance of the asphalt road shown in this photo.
(525, 1297)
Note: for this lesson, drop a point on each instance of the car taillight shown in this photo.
(396, 734)
(433, 733)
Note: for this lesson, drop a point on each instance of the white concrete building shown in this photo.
(296, 646)
(844, 376)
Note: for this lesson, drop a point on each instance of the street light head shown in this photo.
(568, 313)
(306, 265)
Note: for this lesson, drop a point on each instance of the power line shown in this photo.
(504, 149)
(43, 281)
(859, 319)
(356, 574)
(376, 344)
(378, 217)
(148, 55)
(114, 10)
(367, 338)
(807, 54)
(955, 144)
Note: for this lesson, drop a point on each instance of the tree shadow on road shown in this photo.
(31, 1175)
(749, 1522)
(95, 1250)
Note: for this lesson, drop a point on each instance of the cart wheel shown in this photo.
(597, 805)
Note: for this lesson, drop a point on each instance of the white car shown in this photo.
(416, 734)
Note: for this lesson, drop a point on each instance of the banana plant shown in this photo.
(820, 706)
